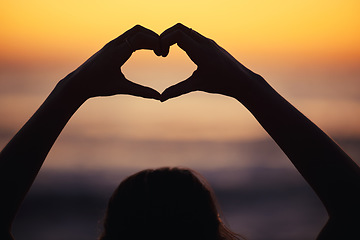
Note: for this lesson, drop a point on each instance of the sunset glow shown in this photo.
(53, 30)
(308, 50)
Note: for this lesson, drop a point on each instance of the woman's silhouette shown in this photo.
(188, 211)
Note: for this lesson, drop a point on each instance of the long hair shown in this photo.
(164, 203)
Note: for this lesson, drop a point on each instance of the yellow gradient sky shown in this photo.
(42, 30)
(309, 50)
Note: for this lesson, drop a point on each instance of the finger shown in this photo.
(180, 34)
(172, 36)
(136, 38)
(141, 91)
(186, 43)
(145, 40)
(189, 31)
(179, 89)
(131, 32)
(197, 36)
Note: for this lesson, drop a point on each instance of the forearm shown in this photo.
(329, 171)
(22, 158)
(100, 75)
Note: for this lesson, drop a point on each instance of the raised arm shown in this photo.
(330, 172)
(100, 75)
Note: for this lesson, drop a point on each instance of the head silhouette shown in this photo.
(165, 203)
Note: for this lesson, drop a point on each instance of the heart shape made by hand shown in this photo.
(143, 38)
(216, 70)
(158, 73)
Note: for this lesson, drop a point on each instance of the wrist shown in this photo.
(256, 93)
(248, 86)
(68, 94)
(71, 92)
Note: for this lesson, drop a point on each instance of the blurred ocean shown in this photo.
(261, 195)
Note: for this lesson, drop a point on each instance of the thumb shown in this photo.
(141, 91)
(179, 89)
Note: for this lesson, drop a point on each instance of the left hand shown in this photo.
(101, 75)
(217, 70)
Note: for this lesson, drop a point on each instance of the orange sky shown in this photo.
(43, 30)
(300, 47)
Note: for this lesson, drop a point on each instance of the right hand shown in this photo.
(101, 74)
(217, 71)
